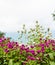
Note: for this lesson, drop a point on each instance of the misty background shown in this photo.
(15, 13)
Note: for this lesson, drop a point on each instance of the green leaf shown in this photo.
(17, 63)
(38, 64)
(51, 56)
(10, 62)
(53, 53)
(52, 63)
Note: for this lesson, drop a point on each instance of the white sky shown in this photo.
(15, 13)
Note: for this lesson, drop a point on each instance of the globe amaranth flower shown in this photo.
(41, 45)
(1, 40)
(31, 58)
(38, 51)
(52, 41)
(16, 44)
(32, 51)
(2, 45)
(9, 45)
(53, 44)
(27, 49)
(43, 49)
(6, 50)
(22, 47)
(53, 49)
(47, 44)
(31, 46)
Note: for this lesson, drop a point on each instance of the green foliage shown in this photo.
(52, 63)
(27, 55)
(1, 34)
(11, 53)
(10, 62)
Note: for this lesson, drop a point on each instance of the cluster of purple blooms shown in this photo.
(32, 52)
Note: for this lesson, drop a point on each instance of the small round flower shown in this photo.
(31, 58)
(43, 49)
(41, 45)
(0, 40)
(38, 51)
(32, 51)
(53, 49)
(31, 46)
(10, 45)
(53, 44)
(6, 50)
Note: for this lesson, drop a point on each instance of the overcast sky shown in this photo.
(15, 13)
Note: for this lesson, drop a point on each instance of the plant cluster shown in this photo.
(12, 53)
(34, 34)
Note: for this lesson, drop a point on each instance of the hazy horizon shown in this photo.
(15, 13)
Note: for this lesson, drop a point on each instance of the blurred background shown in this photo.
(15, 13)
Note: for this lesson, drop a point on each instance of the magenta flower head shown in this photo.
(6, 50)
(16, 44)
(52, 41)
(53, 44)
(32, 46)
(22, 47)
(42, 49)
(32, 51)
(53, 49)
(3, 38)
(41, 45)
(47, 44)
(27, 49)
(31, 58)
(2, 45)
(9, 45)
(38, 51)
(0, 40)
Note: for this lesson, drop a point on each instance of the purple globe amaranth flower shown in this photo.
(52, 41)
(31, 46)
(22, 47)
(41, 45)
(9, 45)
(32, 51)
(6, 50)
(47, 44)
(53, 49)
(38, 51)
(43, 49)
(16, 44)
(31, 58)
(0, 40)
(47, 41)
(3, 38)
(53, 44)
(2, 45)
(27, 49)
